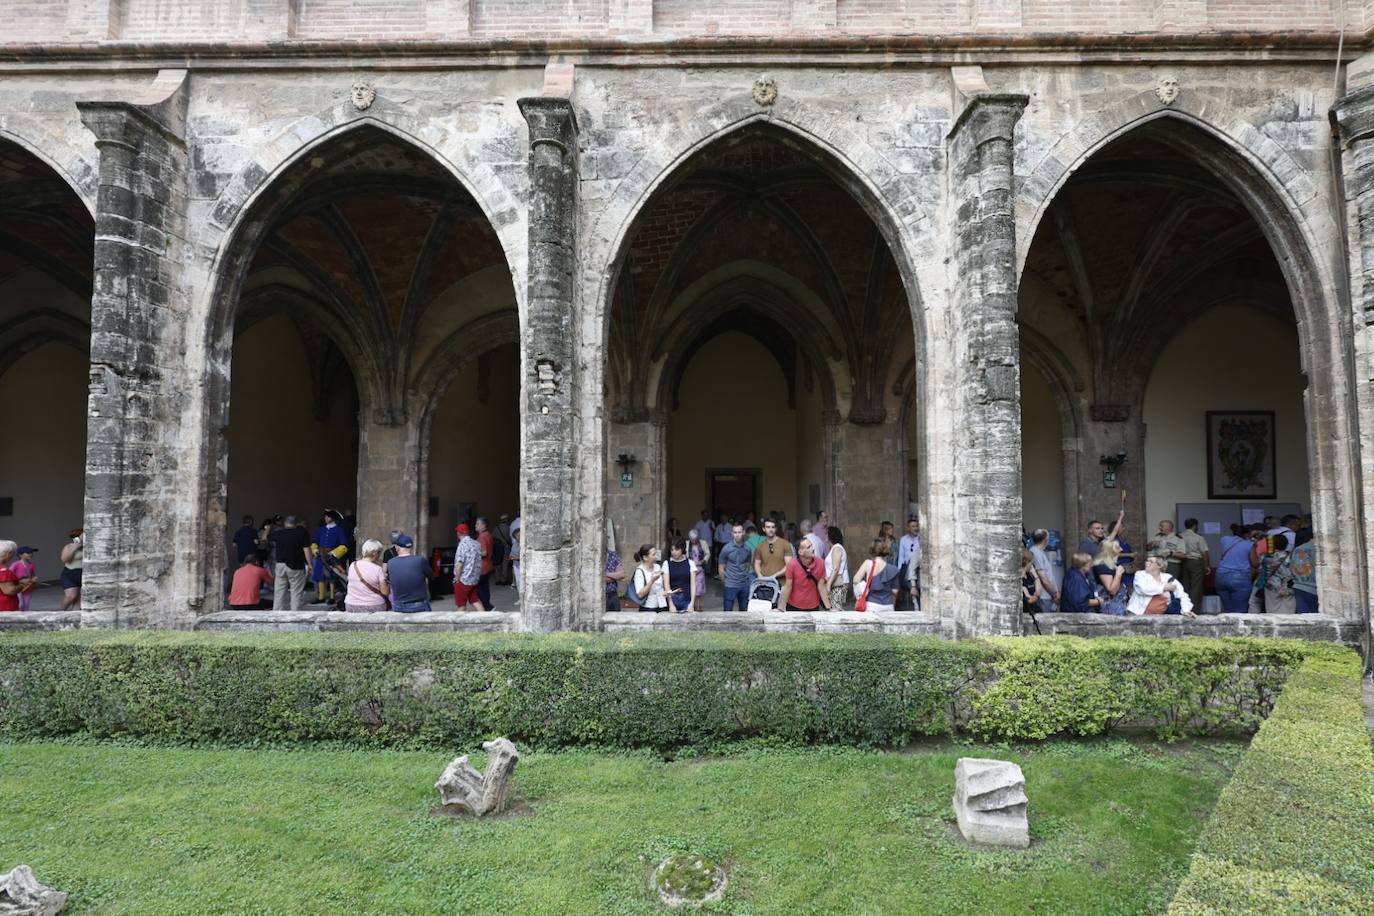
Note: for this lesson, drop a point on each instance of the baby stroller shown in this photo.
(764, 594)
(336, 574)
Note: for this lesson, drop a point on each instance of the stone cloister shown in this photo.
(920, 230)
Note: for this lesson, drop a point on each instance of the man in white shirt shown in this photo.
(704, 529)
(1284, 528)
(811, 533)
(909, 562)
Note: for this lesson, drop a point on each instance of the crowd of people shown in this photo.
(1267, 567)
(767, 565)
(19, 573)
(282, 556)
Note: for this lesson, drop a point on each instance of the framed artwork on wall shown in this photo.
(1241, 453)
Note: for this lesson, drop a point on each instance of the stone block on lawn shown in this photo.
(462, 788)
(22, 895)
(990, 802)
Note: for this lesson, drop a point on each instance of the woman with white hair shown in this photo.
(10, 583)
(1154, 590)
(368, 587)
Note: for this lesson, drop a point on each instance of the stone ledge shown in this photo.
(896, 622)
(11, 621)
(1319, 627)
(340, 621)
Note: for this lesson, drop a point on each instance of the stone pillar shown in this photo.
(388, 497)
(986, 360)
(637, 511)
(1113, 429)
(868, 477)
(138, 379)
(548, 498)
(1355, 118)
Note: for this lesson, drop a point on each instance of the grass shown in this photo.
(150, 830)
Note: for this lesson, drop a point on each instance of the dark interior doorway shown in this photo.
(734, 491)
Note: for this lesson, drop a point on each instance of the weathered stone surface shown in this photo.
(172, 187)
(462, 788)
(1316, 627)
(990, 802)
(22, 895)
(381, 621)
(40, 620)
(689, 880)
(895, 622)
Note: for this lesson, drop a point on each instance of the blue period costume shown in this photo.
(326, 539)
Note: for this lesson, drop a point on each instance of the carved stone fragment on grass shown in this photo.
(990, 802)
(22, 895)
(462, 788)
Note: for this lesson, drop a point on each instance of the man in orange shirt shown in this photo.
(245, 594)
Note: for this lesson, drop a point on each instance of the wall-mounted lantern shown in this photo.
(626, 461)
(1109, 465)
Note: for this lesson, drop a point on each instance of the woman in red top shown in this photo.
(10, 583)
(484, 541)
(804, 574)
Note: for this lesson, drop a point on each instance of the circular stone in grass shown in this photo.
(688, 880)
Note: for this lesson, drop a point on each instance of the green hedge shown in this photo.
(1293, 832)
(656, 690)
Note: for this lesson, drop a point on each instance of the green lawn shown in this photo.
(169, 830)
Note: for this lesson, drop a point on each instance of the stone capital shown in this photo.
(159, 108)
(867, 415)
(1354, 114)
(551, 121)
(1109, 413)
(988, 116)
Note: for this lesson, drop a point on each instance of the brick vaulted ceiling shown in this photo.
(754, 203)
(372, 241)
(47, 231)
(1138, 242)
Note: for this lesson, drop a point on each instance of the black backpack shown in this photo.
(498, 550)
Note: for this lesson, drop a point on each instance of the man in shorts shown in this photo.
(467, 570)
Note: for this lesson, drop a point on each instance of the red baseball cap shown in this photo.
(463, 528)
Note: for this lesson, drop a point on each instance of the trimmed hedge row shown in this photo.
(653, 690)
(1293, 832)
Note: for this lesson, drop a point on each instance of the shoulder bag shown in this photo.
(373, 589)
(862, 603)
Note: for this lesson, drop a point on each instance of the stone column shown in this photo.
(986, 355)
(1349, 574)
(1113, 429)
(637, 511)
(388, 497)
(548, 499)
(138, 379)
(868, 475)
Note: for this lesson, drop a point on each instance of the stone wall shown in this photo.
(936, 157)
(157, 20)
